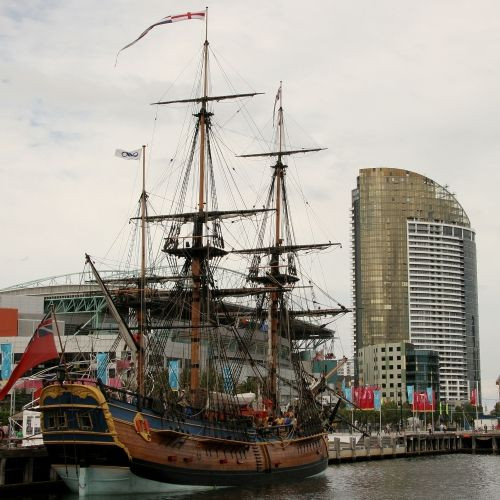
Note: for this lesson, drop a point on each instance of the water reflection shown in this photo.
(441, 477)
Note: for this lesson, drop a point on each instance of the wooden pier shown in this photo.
(412, 444)
(24, 469)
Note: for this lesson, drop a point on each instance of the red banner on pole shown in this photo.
(421, 402)
(363, 397)
(473, 397)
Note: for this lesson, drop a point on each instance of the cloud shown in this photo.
(405, 84)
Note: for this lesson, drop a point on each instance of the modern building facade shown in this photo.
(384, 365)
(393, 366)
(414, 273)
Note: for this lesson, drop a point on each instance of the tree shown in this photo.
(496, 410)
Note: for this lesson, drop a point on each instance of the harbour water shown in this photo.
(457, 476)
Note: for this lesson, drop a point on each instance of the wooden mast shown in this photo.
(273, 341)
(197, 265)
(141, 316)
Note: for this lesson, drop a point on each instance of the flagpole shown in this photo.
(432, 403)
(380, 419)
(477, 399)
(53, 315)
(141, 322)
(206, 23)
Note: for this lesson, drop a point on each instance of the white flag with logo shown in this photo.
(129, 155)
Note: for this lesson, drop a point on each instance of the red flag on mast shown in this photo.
(41, 347)
(473, 397)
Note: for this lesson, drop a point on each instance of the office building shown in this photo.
(414, 274)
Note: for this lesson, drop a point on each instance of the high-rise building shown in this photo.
(414, 274)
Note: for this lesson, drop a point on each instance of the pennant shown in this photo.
(167, 20)
(41, 348)
(278, 97)
(129, 155)
(377, 400)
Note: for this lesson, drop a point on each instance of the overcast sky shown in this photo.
(396, 83)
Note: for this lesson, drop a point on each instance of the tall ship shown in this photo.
(206, 423)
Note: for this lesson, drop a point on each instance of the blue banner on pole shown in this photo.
(173, 374)
(6, 350)
(409, 391)
(102, 366)
(430, 399)
(348, 394)
(228, 380)
(377, 400)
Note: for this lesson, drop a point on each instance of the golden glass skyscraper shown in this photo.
(414, 269)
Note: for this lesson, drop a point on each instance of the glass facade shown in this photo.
(414, 270)
(422, 369)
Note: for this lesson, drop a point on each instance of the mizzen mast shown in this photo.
(280, 275)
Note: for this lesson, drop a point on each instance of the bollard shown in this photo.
(336, 446)
(367, 445)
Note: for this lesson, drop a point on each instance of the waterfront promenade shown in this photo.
(349, 449)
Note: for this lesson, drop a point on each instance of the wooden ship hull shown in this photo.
(90, 427)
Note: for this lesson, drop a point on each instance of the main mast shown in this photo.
(204, 246)
(197, 266)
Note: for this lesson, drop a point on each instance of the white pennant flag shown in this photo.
(129, 155)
